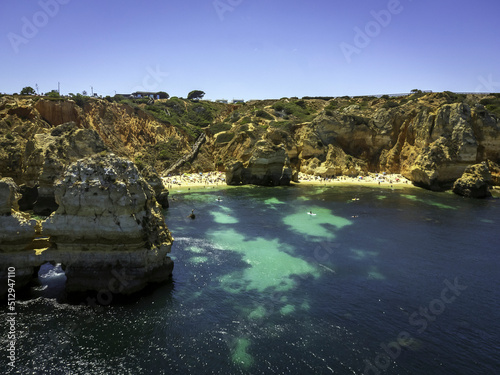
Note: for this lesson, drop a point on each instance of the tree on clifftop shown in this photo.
(196, 95)
(28, 90)
(53, 94)
(162, 95)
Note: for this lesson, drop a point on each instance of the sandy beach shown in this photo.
(372, 179)
(189, 180)
(218, 179)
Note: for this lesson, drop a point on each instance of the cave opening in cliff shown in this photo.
(51, 279)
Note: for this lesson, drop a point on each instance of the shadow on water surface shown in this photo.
(359, 237)
(51, 283)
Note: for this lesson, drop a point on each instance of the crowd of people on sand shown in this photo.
(373, 178)
(195, 179)
(213, 179)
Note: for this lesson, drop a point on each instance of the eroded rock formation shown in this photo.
(108, 232)
(59, 112)
(154, 180)
(108, 221)
(428, 138)
(48, 154)
(494, 169)
(445, 144)
(475, 182)
(336, 163)
(269, 165)
(16, 237)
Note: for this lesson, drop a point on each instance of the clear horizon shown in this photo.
(237, 49)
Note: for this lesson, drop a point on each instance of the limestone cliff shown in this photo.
(156, 183)
(19, 122)
(495, 172)
(16, 237)
(59, 112)
(108, 233)
(268, 165)
(125, 130)
(429, 138)
(47, 155)
(108, 221)
(440, 145)
(475, 182)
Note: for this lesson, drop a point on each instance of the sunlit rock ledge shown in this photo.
(108, 223)
(475, 182)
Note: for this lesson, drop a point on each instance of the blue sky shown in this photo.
(250, 49)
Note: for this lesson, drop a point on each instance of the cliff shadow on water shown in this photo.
(257, 260)
(305, 278)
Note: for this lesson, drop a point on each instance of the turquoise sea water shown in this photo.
(378, 281)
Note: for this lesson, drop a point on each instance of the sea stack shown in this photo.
(109, 232)
(475, 182)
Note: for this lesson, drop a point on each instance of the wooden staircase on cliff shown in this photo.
(186, 158)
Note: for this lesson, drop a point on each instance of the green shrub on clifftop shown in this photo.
(225, 137)
(390, 104)
(263, 114)
(220, 127)
(297, 109)
(492, 104)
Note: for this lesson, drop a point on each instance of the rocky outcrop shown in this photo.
(428, 138)
(430, 141)
(59, 112)
(11, 155)
(155, 181)
(486, 129)
(16, 237)
(19, 122)
(269, 165)
(337, 163)
(494, 169)
(108, 222)
(234, 173)
(434, 168)
(444, 145)
(348, 130)
(9, 195)
(125, 130)
(108, 233)
(128, 131)
(48, 154)
(474, 183)
(434, 147)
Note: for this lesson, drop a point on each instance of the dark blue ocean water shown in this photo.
(379, 281)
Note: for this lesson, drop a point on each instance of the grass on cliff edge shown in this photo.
(186, 115)
(492, 103)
